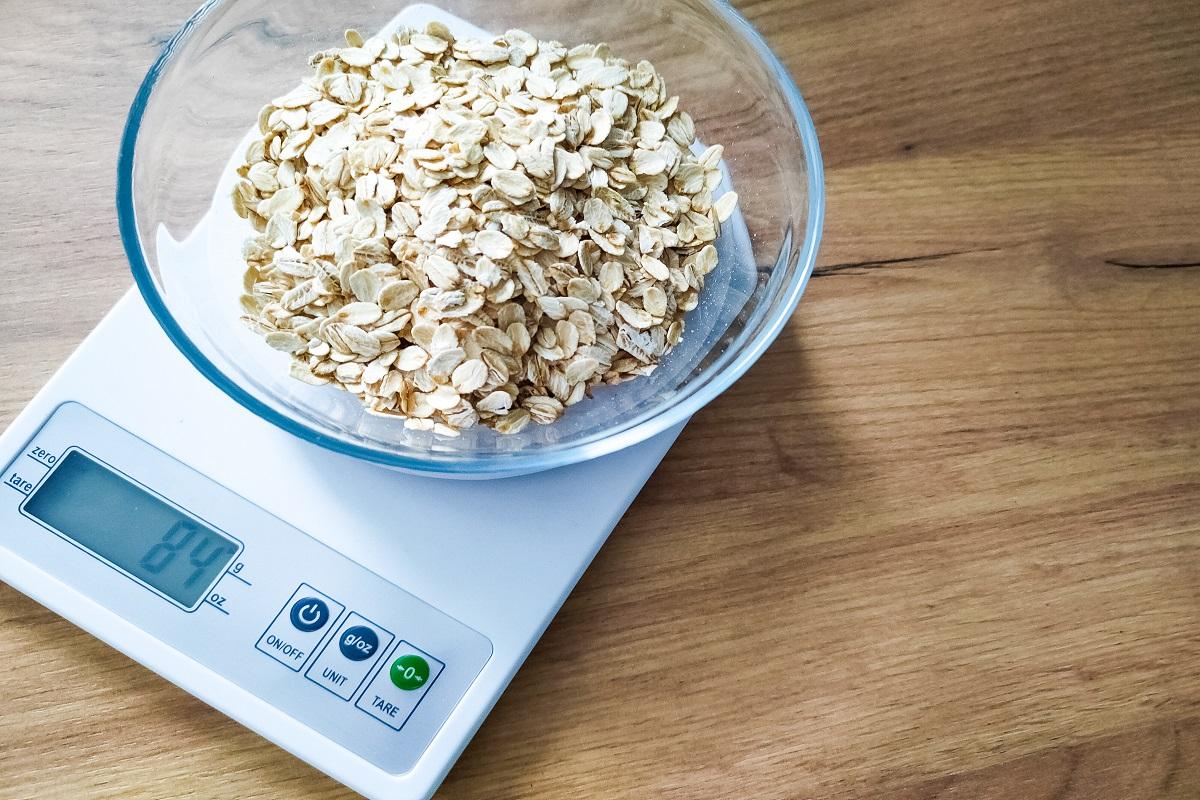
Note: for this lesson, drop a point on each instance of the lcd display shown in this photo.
(133, 530)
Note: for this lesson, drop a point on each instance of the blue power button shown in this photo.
(309, 614)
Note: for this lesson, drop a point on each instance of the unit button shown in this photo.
(394, 693)
(359, 643)
(299, 626)
(349, 656)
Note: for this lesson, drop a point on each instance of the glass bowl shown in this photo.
(199, 103)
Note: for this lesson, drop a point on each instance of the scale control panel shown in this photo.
(323, 639)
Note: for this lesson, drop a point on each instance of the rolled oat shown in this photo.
(467, 232)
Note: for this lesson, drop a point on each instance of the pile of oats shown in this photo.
(476, 231)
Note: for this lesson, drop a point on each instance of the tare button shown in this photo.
(347, 658)
(299, 626)
(400, 685)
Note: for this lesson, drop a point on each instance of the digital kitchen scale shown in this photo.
(364, 619)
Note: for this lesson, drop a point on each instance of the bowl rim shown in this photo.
(500, 464)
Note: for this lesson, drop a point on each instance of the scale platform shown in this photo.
(363, 619)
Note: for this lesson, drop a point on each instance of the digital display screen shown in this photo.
(122, 523)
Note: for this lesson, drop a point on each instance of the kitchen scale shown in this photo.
(363, 619)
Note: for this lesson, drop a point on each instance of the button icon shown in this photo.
(359, 643)
(300, 627)
(309, 614)
(349, 656)
(409, 673)
(399, 685)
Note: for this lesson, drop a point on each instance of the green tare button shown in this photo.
(410, 673)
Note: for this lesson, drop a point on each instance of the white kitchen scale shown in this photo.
(363, 619)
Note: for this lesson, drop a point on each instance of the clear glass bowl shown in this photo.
(200, 102)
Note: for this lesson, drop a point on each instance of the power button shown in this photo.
(300, 626)
(309, 614)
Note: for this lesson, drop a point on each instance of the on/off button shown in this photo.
(299, 627)
(309, 614)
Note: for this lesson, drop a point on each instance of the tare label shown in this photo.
(15, 480)
(396, 690)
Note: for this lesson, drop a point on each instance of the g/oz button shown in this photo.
(359, 643)
(341, 670)
(309, 614)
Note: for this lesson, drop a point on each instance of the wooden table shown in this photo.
(943, 541)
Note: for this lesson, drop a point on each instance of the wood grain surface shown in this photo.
(943, 541)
